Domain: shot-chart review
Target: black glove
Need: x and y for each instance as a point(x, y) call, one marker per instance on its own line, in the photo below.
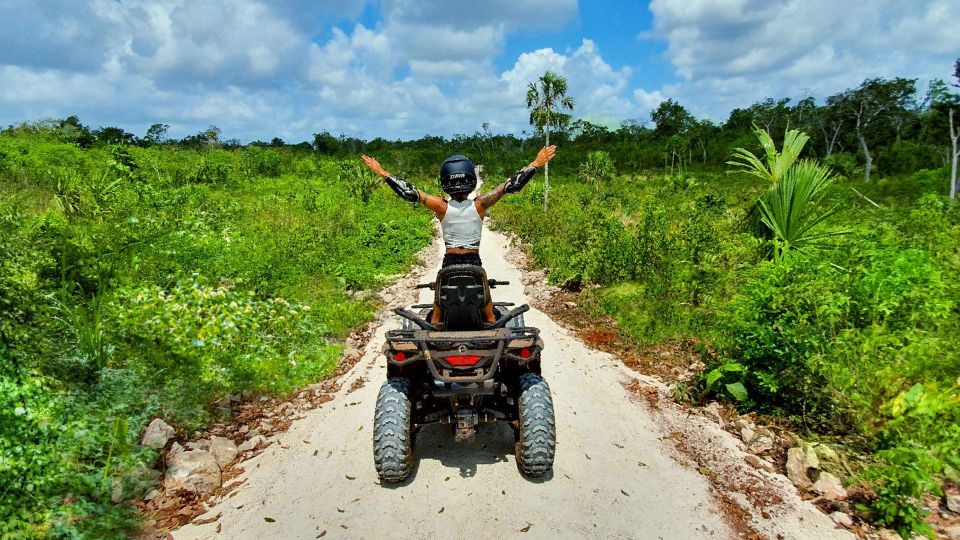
point(405, 190)
point(516, 182)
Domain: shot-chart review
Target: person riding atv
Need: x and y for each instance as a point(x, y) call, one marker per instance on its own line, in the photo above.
point(461, 219)
point(463, 360)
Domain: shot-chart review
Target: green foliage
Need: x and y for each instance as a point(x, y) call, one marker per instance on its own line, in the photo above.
point(362, 182)
point(139, 282)
point(206, 172)
point(789, 209)
point(597, 169)
point(643, 242)
point(902, 481)
point(844, 164)
point(714, 381)
point(259, 162)
point(547, 99)
point(778, 162)
point(856, 341)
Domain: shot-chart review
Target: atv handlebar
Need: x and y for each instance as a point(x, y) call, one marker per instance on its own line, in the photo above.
point(490, 282)
point(411, 316)
point(424, 325)
point(502, 321)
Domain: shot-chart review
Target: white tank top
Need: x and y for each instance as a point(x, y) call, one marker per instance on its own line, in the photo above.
point(462, 225)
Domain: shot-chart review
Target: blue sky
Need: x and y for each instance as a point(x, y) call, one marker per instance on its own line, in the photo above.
point(405, 68)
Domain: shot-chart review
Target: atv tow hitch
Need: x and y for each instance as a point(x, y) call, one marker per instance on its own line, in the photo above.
point(467, 420)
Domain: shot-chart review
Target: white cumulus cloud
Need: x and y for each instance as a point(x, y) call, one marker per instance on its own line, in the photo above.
point(728, 53)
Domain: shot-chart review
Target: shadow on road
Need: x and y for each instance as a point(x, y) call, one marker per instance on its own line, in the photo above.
point(492, 445)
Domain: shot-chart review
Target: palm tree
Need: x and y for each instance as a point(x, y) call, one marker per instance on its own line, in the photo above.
point(790, 208)
point(544, 97)
point(777, 162)
point(788, 213)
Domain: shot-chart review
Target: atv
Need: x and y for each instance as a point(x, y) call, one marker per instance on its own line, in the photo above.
point(463, 372)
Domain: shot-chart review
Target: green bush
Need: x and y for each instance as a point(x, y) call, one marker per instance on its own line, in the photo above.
point(844, 164)
point(855, 341)
point(259, 162)
point(205, 172)
point(140, 282)
point(597, 169)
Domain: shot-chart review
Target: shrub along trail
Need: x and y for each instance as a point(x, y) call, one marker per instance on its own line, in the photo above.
point(618, 471)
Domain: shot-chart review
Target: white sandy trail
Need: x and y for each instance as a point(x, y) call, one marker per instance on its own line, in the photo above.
point(614, 476)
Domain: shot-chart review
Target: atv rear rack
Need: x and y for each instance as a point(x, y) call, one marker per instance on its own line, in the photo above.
point(435, 347)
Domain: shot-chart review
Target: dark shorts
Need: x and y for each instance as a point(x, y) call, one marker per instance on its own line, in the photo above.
point(450, 259)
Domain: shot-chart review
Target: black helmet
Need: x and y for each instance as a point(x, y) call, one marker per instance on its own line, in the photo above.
point(457, 175)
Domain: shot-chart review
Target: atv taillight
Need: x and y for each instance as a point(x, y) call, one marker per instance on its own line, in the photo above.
point(525, 352)
point(462, 359)
point(399, 356)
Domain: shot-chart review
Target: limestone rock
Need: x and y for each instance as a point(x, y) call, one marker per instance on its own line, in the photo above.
point(842, 519)
point(175, 448)
point(797, 467)
point(251, 443)
point(830, 487)
point(157, 434)
point(827, 454)
point(953, 503)
point(713, 412)
point(198, 445)
point(830, 460)
point(758, 439)
point(761, 442)
point(759, 463)
point(811, 455)
point(223, 450)
point(194, 471)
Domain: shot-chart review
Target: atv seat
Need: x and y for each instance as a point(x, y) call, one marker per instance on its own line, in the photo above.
point(462, 291)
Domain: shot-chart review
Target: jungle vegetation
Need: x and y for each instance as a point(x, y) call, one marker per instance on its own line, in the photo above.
point(811, 248)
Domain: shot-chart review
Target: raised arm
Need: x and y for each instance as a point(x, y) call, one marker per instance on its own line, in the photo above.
point(516, 182)
point(405, 190)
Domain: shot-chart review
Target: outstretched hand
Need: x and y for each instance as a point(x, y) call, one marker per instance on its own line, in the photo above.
point(375, 166)
point(544, 156)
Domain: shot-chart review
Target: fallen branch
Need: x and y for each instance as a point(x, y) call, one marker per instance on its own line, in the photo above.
point(864, 197)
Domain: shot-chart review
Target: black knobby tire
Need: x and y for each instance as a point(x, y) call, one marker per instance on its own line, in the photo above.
point(537, 438)
point(392, 440)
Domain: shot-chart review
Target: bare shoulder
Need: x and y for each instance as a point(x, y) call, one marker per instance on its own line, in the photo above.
point(436, 204)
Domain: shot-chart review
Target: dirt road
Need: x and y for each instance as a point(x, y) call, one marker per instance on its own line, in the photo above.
point(617, 472)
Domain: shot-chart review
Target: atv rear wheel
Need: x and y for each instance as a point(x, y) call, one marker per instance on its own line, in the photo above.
point(537, 437)
point(392, 439)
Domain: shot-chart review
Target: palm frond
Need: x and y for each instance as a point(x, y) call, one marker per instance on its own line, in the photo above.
point(748, 163)
point(791, 208)
point(777, 162)
point(533, 95)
